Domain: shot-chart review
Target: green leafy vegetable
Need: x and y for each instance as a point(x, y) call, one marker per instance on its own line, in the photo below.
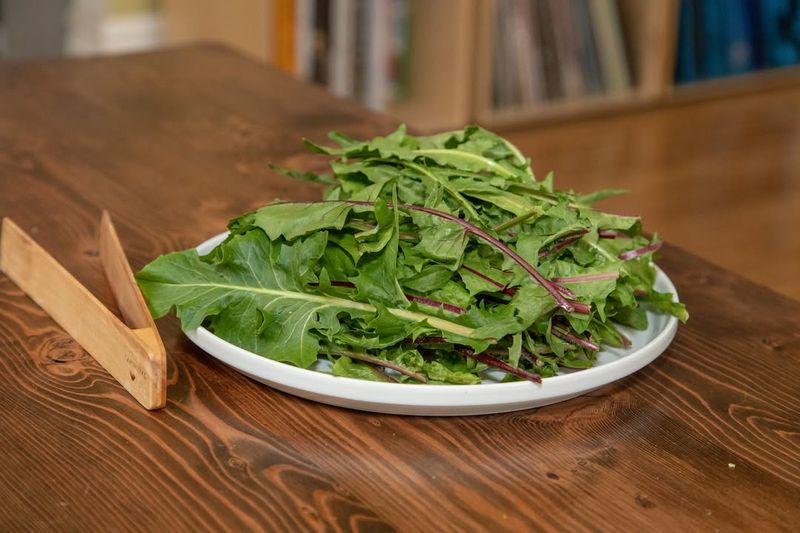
point(430, 260)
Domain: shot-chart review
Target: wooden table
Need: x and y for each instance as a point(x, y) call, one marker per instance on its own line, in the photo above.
point(175, 143)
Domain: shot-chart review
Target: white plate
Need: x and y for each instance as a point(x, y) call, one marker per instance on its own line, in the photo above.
point(447, 400)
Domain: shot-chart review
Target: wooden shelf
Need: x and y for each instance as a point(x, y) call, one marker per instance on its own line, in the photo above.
point(561, 110)
point(759, 80)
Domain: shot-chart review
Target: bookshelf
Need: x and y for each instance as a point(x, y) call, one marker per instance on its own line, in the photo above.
point(451, 51)
point(649, 33)
point(761, 80)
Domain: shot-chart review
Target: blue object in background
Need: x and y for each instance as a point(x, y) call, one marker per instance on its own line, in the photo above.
point(686, 66)
point(777, 29)
point(725, 37)
point(739, 50)
point(710, 41)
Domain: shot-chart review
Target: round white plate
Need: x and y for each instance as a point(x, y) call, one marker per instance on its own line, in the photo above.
point(446, 400)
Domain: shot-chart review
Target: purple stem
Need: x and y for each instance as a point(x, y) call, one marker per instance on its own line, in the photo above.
point(581, 308)
point(587, 277)
point(574, 339)
point(511, 291)
point(497, 363)
point(530, 356)
point(568, 239)
point(527, 354)
point(476, 231)
point(612, 234)
point(626, 342)
point(563, 290)
point(435, 303)
point(633, 254)
point(382, 362)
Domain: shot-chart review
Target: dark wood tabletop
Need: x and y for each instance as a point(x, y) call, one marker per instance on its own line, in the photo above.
point(174, 144)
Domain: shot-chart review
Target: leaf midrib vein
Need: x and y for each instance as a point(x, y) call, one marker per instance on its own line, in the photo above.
point(404, 314)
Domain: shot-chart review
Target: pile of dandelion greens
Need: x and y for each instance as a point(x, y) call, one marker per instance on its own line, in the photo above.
point(430, 260)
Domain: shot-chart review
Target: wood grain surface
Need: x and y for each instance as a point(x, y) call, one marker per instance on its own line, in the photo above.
point(175, 143)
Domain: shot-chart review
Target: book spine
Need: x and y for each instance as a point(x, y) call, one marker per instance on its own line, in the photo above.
point(778, 22)
point(400, 60)
point(550, 56)
point(537, 66)
point(712, 58)
point(304, 39)
point(360, 50)
point(522, 22)
point(498, 57)
point(284, 35)
point(343, 42)
point(567, 46)
point(321, 42)
point(375, 87)
point(590, 62)
point(611, 45)
point(686, 65)
point(739, 38)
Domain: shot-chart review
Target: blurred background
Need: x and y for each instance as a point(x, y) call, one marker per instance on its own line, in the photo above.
point(692, 105)
point(442, 63)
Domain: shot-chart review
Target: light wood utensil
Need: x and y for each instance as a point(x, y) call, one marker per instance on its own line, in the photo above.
point(132, 352)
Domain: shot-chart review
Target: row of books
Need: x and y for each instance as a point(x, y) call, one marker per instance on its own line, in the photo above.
point(557, 49)
point(358, 48)
point(724, 37)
